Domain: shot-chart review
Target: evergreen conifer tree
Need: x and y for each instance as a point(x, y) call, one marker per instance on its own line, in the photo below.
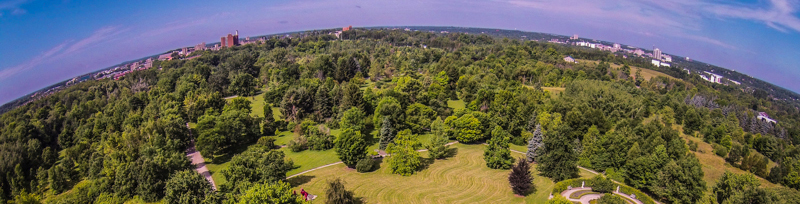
point(521, 179)
point(534, 144)
point(386, 134)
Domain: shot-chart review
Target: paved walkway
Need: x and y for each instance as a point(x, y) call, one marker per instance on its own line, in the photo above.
point(314, 169)
point(198, 161)
point(586, 198)
point(587, 201)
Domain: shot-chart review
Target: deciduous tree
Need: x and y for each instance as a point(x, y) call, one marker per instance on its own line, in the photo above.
point(351, 147)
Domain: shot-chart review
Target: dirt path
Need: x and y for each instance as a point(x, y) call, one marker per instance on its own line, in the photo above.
point(198, 161)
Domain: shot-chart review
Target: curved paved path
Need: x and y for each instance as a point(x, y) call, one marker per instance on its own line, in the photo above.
point(593, 172)
point(198, 161)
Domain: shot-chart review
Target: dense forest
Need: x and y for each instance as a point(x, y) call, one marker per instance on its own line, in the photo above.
point(110, 141)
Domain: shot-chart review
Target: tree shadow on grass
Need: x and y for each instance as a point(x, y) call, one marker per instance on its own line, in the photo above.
point(359, 200)
point(425, 163)
point(220, 159)
point(300, 180)
point(450, 152)
point(376, 164)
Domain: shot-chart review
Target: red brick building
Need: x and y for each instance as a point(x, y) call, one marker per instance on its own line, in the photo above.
point(230, 40)
point(347, 28)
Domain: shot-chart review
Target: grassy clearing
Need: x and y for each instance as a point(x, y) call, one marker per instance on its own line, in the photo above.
point(646, 73)
point(257, 106)
point(463, 178)
point(456, 104)
point(309, 159)
point(554, 90)
point(714, 166)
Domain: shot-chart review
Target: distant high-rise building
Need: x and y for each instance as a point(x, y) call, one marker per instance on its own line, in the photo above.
point(657, 53)
point(222, 41)
point(617, 46)
point(347, 28)
point(230, 40)
point(574, 37)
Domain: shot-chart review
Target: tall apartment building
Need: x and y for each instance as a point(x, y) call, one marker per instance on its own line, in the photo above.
point(657, 53)
point(230, 40)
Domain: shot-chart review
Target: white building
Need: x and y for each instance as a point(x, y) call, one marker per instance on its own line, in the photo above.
point(713, 77)
point(667, 58)
point(656, 63)
point(569, 59)
point(764, 117)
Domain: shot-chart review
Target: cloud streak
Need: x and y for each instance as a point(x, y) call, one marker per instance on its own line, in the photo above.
point(13, 6)
point(64, 49)
point(779, 15)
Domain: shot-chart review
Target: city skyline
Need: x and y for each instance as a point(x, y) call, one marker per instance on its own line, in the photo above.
point(759, 39)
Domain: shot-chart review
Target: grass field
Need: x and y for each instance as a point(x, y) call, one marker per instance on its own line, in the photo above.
point(463, 178)
point(257, 106)
point(554, 90)
point(456, 104)
point(646, 73)
point(714, 166)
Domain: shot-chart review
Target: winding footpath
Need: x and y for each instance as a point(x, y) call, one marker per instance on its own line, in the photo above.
point(581, 200)
point(198, 161)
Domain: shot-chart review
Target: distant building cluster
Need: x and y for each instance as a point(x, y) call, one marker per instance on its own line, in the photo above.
point(230, 40)
point(338, 34)
point(118, 72)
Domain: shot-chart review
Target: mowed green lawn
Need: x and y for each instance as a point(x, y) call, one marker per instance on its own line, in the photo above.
point(463, 178)
point(257, 105)
point(646, 73)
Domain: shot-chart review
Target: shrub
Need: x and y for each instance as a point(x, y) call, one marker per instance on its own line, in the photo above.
point(602, 184)
point(266, 141)
point(298, 144)
point(337, 193)
point(611, 199)
point(692, 146)
point(365, 165)
point(720, 150)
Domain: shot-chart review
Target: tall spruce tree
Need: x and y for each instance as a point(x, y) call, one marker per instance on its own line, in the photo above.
point(268, 125)
point(322, 104)
point(534, 144)
point(386, 134)
point(521, 179)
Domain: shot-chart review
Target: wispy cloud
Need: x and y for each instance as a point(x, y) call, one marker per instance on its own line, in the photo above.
point(5, 73)
point(64, 49)
point(779, 14)
point(12, 6)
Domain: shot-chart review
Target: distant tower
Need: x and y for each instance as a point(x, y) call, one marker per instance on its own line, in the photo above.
point(657, 53)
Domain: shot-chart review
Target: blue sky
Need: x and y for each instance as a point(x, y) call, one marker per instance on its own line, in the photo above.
point(45, 42)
